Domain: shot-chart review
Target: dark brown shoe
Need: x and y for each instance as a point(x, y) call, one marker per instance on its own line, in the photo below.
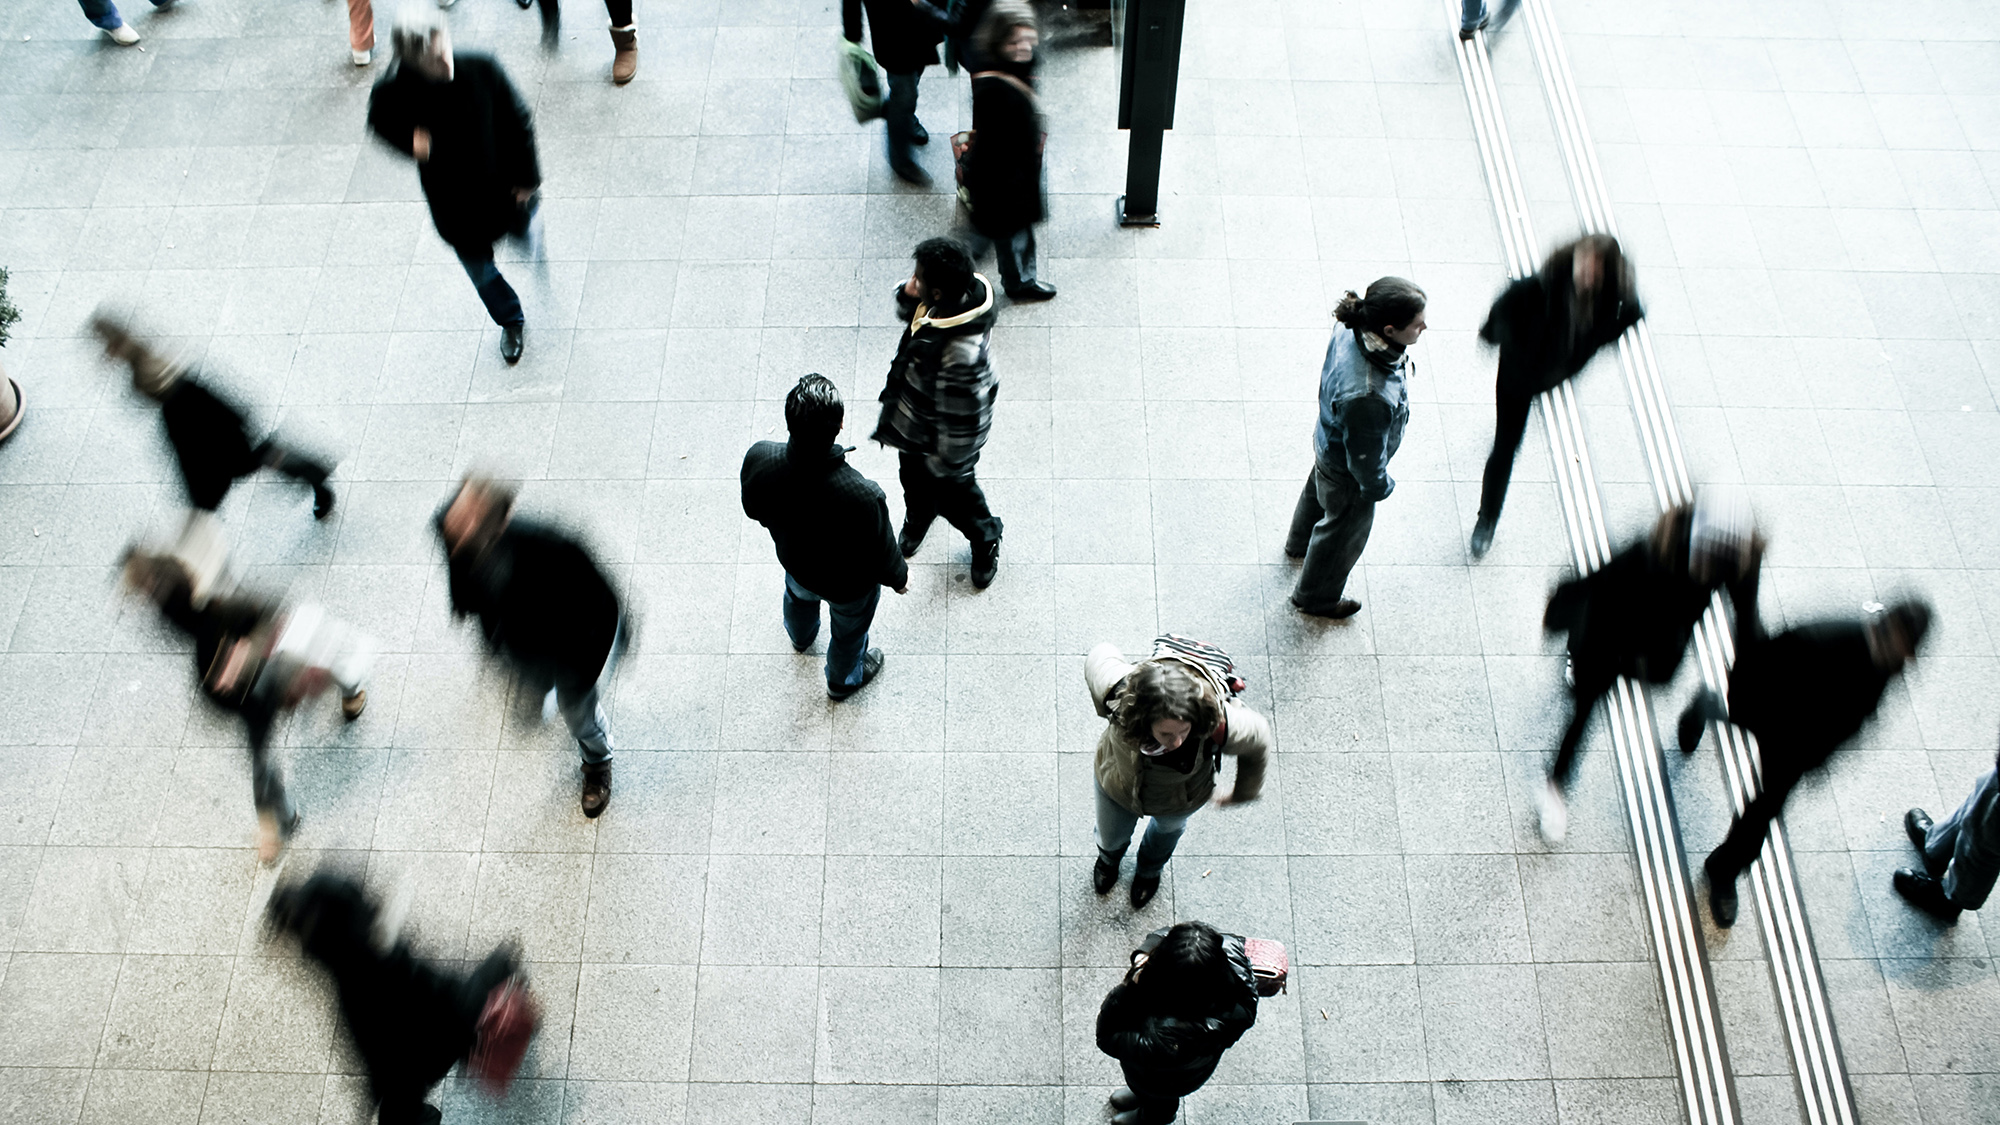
point(596, 789)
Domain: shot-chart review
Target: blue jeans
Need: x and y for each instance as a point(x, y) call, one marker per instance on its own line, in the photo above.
point(1115, 823)
point(104, 13)
point(1472, 12)
point(901, 112)
point(1963, 845)
point(850, 629)
point(502, 303)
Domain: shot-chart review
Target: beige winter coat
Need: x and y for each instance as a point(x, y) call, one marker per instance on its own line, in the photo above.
point(1148, 788)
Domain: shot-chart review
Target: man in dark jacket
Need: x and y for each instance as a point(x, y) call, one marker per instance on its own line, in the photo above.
point(905, 35)
point(1003, 168)
point(210, 437)
point(1802, 693)
point(544, 605)
point(474, 144)
point(832, 530)
point(938, 403)
point(1635, 615)
point(1961, 856)
point(410, 1022)
point(1547, 326)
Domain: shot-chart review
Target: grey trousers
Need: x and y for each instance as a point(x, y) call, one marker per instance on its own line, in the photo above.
point(1967, 845)
point(1330, 528)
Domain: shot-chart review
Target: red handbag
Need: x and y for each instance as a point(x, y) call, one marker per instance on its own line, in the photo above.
point(1270, 964)
point(500, 1041)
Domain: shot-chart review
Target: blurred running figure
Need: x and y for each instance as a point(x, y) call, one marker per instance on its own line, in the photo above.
point(1473, 17)
point(1802, 692)
point(544, 605)
point(1363, 407)
point(937, 405)
point(905, 34)
point(1548, 325)
point(474, 143)
point(258, 660)
point(211, 439)
point(1961, 856)
point(1635, 616)
point(832, 529)
point(411, 1022)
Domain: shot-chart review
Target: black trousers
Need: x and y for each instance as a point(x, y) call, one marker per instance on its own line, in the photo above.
point(620, 12)
point(1783, 765)
point(957, 498)
point(1590, 687)
point(1510, 424)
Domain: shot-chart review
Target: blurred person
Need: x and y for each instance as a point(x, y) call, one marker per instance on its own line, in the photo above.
point(832, 529)
point(1803, 693)
point(257, 659)
point(1635, 616)
point(473, 140)
point(1961, 857)
point(937, 405)
point(209, 435)
point(962, 46)
point(624, 35)
point(104, 13)
point(1547, 326)
point(1473, 17)
point(905, 35)
point(1363, 407)
point(1169, 722)
point(410, 1021)
point(1168, 1022)
point(544, 605)
point(1003, 168)
point(361, 31)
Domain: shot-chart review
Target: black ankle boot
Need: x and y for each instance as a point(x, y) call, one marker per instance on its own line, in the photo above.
point(1104, 873)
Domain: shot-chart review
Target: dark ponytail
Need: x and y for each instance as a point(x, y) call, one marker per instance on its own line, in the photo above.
point(1391, 302)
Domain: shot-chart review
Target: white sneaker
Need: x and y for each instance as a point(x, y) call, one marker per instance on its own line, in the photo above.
point(446, 3)
point(1555, 813)
point(123, 35)
point(549, 705)
point(363, 58)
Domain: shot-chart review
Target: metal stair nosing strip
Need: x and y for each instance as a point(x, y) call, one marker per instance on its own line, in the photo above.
point(1821, 1070)
point(1701, 1059)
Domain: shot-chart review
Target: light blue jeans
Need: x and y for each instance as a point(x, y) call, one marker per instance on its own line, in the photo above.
point(1471, 12)
point(849, 642)
point(104, 13)
point(1966, 845)
point(1115, 824)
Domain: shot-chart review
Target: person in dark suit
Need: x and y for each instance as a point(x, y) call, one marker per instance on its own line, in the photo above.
point(1803, 693)
point(905, 35)
point(1003, 168)
point(209, 434)
point(832, 529)
point(473, 139)
point(1635, 615)
point(543, 604)
point(1168, 1022)
point(1547, 326)
point(410, 1021)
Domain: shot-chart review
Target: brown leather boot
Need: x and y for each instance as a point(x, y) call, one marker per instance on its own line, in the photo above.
point(625, 40)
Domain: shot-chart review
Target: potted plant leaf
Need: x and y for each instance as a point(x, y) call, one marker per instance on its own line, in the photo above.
point(12, 405)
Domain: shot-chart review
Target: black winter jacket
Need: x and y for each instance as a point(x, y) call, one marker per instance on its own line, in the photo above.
point(1635, 616)
point(831, 525)
point(905, 36)
point(540, 601)
point(1003, 169)
point(482, 145)
point(1805, 691)
point(1169, 1054)
point(1531, 323)
point(211, 442)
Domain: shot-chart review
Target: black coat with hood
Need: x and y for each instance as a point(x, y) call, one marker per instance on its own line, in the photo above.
point(540, 600)
point(1168, 1052)
point(1532, 324)
point(482, 145)
point(831, 525)
point(1003, 169)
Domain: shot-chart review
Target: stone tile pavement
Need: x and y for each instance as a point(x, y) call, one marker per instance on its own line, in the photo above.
point(878, 911)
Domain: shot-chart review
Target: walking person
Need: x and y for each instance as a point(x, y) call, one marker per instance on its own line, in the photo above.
point(1473, 17)
point(832, 530)
point(1168, 1022)
point(472, 137)
point(1169, 722)
point(1363, 407)
point(210, 436)
point(1547, 326)
point(1635, 616)
point(544, 605)
point(1803, 693)
point(905, 35)
point(624, 34)
point(1961, 857)
point(257, 660)
point(937, 405)
point(1003, 168)
point(409, 1020)
point(105, 14)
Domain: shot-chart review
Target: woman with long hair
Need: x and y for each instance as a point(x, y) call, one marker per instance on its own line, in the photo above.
point(1363, 407)
point(1003, 168)
point(1169, 1021)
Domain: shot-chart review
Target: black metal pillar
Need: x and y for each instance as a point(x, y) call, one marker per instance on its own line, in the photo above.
point(1147, 82)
